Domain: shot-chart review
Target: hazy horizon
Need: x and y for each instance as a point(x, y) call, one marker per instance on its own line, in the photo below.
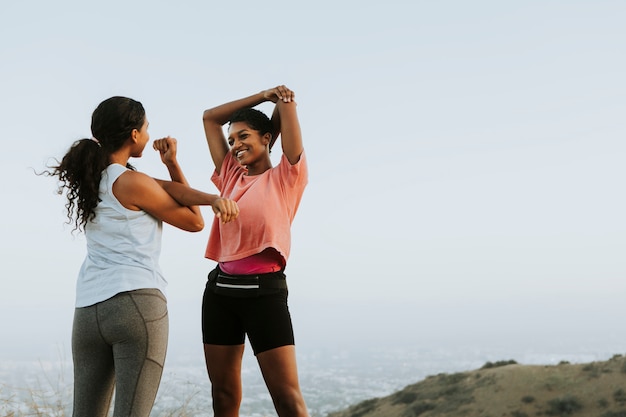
point(466, 162)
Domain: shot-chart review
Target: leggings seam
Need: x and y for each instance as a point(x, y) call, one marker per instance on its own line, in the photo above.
point(100, 327)
point(145, 356)
point(155, 362)
point(143, 318)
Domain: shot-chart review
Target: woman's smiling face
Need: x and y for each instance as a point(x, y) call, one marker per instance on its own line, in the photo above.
point(247, 145)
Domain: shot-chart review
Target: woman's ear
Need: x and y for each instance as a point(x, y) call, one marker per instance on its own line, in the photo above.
point(267, 138)
point(133, 135)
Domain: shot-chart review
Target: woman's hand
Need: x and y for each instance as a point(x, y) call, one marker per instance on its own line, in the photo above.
point(279, 93)
point(226, 210)
point(167, 149)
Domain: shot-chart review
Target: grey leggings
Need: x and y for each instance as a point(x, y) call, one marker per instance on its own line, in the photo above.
point(121, 343)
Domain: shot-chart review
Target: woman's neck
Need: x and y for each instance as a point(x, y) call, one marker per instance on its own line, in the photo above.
point(259, 167)
point(120, 156)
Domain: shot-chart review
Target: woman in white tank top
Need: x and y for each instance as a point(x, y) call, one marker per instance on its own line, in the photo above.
point(120, 327)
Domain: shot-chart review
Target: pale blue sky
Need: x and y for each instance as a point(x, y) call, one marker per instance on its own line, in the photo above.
point(466, 158)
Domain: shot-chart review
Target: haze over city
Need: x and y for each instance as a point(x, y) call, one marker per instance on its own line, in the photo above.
point(466, 162)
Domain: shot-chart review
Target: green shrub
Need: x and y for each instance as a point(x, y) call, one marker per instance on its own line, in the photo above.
point(563, 406)
point(489, 365)
point(419, 408)
point(620, 396)
point(404, 397)
point(593, 369)
point(446, 379)
point(528, 399)
point(364, 407)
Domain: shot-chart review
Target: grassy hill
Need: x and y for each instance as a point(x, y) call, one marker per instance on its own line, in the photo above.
point(508, 389)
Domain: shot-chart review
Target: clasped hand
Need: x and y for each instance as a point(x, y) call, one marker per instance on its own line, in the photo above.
point(167, 149)
point(279, 93)
point(226, 210)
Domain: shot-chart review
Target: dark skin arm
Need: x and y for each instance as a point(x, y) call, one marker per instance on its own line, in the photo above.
point(215, 118)
point(226, 210)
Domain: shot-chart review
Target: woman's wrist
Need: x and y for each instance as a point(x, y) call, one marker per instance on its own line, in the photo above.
point(174, 168)
point(267, 97)
point(171, 163)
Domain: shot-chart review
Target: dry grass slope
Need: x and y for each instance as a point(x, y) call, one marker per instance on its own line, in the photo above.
point(507, 389)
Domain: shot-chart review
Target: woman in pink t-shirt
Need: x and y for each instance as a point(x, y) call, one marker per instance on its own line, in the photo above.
point(246, 294)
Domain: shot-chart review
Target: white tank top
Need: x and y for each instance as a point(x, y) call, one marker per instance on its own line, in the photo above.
point(123, 248)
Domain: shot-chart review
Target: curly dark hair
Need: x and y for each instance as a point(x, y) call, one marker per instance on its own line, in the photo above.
point(256, 119)
point(80, 170)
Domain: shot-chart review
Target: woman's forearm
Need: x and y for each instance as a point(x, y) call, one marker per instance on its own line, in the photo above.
point(176, 173)
point(290, 130)
point(187, 196)
point(222, 113)
point(180, 186)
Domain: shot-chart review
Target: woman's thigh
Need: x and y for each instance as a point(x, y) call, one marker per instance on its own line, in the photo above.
point(94, 373)
point(268, 323)
point(121, 341)
point(138, 331)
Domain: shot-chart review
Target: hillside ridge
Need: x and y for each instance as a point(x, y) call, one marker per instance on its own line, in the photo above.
point(509, 389)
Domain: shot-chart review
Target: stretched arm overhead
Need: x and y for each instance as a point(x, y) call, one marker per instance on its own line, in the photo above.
point(291, 139)
point(285, 122)
point(216, 117)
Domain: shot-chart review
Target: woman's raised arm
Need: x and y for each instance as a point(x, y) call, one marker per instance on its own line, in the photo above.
point(285, 121)
point(215, 118)
point(291, 136)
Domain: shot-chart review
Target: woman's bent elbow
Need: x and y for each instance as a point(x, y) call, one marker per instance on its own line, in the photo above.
point(197, 226)
point(192, 226)
point(207, 115)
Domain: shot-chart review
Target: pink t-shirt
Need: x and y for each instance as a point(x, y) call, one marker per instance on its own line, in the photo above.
point(267, 206)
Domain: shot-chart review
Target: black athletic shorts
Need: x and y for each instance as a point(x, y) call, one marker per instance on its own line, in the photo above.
point(226, 320)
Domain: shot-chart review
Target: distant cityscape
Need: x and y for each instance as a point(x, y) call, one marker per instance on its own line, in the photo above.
point(331, 380)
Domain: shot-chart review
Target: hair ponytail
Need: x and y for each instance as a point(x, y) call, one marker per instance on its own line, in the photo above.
point(79, 174)
point(80, 170)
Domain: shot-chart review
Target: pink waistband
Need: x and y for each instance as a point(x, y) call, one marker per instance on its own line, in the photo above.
point(261, 263)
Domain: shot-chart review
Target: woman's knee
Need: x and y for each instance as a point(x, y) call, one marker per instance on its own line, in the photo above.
point(225, 400)
point(289, 402)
